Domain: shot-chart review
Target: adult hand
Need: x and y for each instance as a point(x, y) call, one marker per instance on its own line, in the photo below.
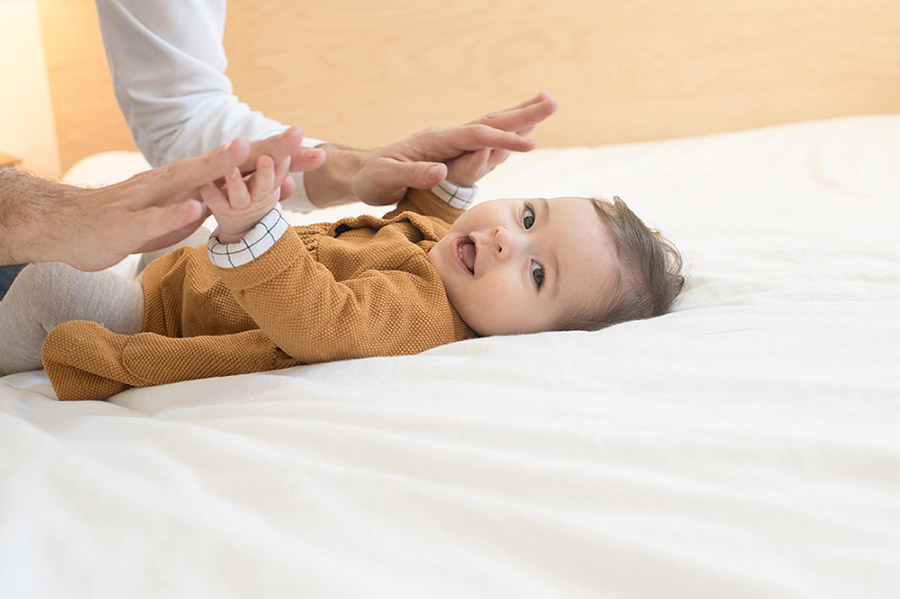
point(149, 211)
point(158, 208)
point(472, 166)
point(93, 229)
point(287, 143)
point(382, 176)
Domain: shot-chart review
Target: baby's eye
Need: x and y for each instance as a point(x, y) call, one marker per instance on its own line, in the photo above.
point(528, 217)
point(537, 273)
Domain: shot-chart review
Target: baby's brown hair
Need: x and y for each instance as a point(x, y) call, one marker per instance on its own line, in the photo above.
point(649, 277)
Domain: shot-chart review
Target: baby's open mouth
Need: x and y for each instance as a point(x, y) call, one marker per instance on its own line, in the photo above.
point(467, 253)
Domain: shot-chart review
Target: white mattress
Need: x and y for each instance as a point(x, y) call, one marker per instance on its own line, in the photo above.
point(745, 445)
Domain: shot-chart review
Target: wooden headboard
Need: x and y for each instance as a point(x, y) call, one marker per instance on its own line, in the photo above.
point(366, 72)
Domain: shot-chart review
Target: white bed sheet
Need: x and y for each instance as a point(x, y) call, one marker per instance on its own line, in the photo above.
point(745, 445)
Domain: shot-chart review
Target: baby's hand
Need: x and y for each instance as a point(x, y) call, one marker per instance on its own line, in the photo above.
point(241, 203)
point(465, 170)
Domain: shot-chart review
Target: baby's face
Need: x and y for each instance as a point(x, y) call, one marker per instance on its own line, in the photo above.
point(525, 265)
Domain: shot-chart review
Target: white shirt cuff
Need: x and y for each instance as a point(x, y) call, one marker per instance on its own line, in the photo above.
point(455, 195)
point(254, 244)
point(299, 201)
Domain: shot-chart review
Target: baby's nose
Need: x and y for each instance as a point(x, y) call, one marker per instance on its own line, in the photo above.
point(505, 242)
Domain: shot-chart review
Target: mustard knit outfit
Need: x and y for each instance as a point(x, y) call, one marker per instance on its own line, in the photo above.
point(357, 288)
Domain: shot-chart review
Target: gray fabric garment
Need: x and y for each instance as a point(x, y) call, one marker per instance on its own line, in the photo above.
point(48, 294)
point(7, 275)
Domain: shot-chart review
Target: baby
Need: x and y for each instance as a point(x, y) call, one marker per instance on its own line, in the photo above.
point(263, 295)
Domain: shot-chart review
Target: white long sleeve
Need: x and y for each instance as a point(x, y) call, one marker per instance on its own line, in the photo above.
point(168, 67)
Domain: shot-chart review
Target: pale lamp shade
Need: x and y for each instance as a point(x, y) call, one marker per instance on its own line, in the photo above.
point(27, 129)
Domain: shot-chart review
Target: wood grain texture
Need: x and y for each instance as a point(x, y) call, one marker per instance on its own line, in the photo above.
point(366, 73)
point(87, 116)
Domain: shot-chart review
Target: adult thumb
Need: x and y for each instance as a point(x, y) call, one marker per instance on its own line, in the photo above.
point(421, 175)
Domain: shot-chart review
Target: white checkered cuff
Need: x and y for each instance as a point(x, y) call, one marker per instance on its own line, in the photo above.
point(254, 244)
point(456, 196)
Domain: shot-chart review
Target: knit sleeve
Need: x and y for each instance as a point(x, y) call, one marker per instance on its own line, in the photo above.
point(255, 243)
point(445, 201)
point(296, 301)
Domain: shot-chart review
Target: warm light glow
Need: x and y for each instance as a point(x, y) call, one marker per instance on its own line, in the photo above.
point(26, 116)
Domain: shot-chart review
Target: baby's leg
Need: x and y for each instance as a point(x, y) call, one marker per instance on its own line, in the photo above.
point(45, 295)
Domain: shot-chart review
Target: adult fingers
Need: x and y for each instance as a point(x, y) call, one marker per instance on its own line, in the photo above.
point(307, 159)
point(542, 96)
point(438, 145)
point(287, 144)
point(188, 174)
point(521, 117)
point(165, 225)
point(396, 176)
point(278, 147)
point(475, 137)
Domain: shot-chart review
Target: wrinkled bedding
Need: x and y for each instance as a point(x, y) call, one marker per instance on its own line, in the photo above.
point(744, 445)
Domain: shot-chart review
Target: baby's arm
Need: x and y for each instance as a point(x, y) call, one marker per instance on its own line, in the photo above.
point(241, 204)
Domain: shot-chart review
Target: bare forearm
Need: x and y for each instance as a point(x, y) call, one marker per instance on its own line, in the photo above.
point(33, 215)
